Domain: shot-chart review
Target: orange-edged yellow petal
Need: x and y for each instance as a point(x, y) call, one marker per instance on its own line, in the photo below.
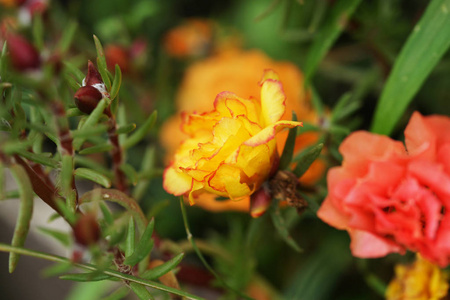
point(273, 99)
point(228, 104)
point(268, 133)
point(229, 181)
point(176, 182)
point(254, 161)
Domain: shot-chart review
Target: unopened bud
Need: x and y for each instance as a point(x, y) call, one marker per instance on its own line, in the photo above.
point(24, 55)
point(93, 76)
point(87, 98)
point(86, 230)
point(260, 201)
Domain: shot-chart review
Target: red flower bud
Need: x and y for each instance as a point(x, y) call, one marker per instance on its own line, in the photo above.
point(260, 201)
point(87, 98)
point(86, 230)
point(93, 76)
point(24, 55)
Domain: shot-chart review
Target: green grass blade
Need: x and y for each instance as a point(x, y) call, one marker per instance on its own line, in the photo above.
point(25, 212)
point(424, 48)
point(328, 34)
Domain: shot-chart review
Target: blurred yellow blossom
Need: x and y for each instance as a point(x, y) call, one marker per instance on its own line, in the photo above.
point(231, 150)
point(420, 281)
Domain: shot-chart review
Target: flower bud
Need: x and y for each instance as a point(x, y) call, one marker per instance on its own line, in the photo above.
point(86, 230)
point(24, 55)
point(260, 201)
point(87, 98)
point(93, 76)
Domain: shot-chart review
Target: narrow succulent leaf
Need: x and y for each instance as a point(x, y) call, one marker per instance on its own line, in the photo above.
point(118, 294)
point(328, 34)
point(116, 83)
point(57, 269)
point(342, 104)
point(306, 158)
point(141, 132)
point(281, 227)
point(38, 31)
point(144, 247)
point(126, 128)
point(141, 291)
point(63, 237)
point(93, 176)
point(428, 42)
point(85, 277)
point(3, 58)
point(130, 172)
point(160, 270)
point(25, 212)
point(86, 132)
point(91, 164)
point(148, 164)
point(74, 112)
point(101, 63)
point(74, 71)
point(130, 240)
point(91, 121)
point(66, 39)
point(69, 214)
point(96, 149)
point(288, 150)
point(66, 175)
point(107, 216)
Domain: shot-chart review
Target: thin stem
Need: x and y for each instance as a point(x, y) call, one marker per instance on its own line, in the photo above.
point(200, 255)
point(90, 267)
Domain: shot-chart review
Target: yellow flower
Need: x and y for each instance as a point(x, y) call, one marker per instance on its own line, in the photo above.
point(420, 281)
point(232, 149)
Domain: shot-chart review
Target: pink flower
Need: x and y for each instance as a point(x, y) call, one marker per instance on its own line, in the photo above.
point(390, 198)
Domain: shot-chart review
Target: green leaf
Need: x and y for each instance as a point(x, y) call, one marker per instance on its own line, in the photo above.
point(38, 31)
point(79, 76)
point(141, 131)
point(141, 291)
point(61, 236)
point(148, 164)
point(281, 227)
point(57, 269)
point(74, 112)
point(130, 172)
point(327, 35)
point(116, 83)
point(87, 162)
point(68, 213)
point(25, 212)
point(66, 39)
point(118, 294)
point(101, 63)
point(126, 128)
point(86, 132)
point(288, 150)
point(130, 240)
point(424, 48)
point(91, 120)
point(107, 216)
point(3, 59)
point(93, 176)
point(96, 149)
point(160, 270)
point(305, 159)
point(85, 277)
point(144, 246)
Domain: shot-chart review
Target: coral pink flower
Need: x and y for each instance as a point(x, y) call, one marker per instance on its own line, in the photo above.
point(390, 199)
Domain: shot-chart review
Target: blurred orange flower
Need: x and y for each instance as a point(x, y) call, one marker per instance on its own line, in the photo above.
point(232, 149)
point(192, 38)
point(236, 70)
point(419, 281)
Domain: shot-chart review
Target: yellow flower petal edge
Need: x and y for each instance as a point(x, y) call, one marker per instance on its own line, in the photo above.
point(231, 150)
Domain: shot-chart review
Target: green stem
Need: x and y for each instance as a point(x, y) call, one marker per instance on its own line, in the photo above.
point(89, 267)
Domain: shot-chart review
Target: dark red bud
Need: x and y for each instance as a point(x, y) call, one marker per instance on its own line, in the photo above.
point(93, 76)
point(86, 230)
point(87, 98)
point(260, 201)
point(24, 55)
